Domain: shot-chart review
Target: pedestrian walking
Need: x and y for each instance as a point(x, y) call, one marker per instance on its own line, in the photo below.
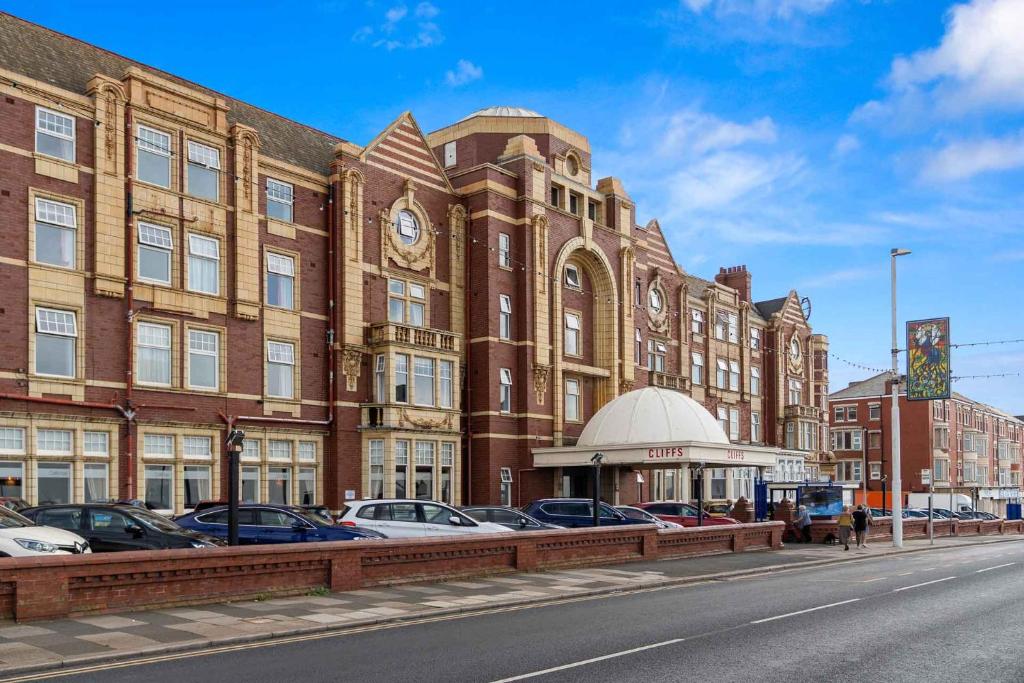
point(860, 526)
point(845, 522)
point(803, 524)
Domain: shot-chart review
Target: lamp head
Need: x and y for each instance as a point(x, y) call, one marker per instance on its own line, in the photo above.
point(899, 252)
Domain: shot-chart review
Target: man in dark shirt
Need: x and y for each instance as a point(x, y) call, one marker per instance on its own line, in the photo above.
point(860, 525)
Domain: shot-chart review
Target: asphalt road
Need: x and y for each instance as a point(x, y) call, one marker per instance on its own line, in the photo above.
point(943, 615)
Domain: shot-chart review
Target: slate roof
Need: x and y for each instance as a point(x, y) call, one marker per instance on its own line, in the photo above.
point(769, 308)
point(69, 63)
point(872, 386)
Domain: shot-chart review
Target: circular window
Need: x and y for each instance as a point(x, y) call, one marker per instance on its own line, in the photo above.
point(408, 227)
point(794, 348)
point(572, 165)
point(655, 300)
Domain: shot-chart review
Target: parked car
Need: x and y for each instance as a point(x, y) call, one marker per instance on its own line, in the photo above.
point(915, 514)
point(508, 517)
point(110, 528)
point(321, 511)
point(21, 537)
point(637, 513)
point(682, 513)
point(260, 524)
point(717, 509)
point(13, 503)
point(576, 512)
point(407, 518)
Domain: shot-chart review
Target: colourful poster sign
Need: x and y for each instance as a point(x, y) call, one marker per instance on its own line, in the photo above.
point(928, 359)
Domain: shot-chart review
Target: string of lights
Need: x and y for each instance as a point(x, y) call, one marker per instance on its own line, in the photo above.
point(996, 374)
point(988, 343)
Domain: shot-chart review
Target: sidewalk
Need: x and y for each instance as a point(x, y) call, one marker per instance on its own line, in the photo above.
point(90, 640)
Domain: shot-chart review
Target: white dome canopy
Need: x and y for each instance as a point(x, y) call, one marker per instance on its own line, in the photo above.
point(651, 415)
point(506, 111)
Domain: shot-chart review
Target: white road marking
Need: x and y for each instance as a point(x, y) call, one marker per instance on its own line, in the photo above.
point(926, 583)
point(584, 662)
point(805, 611)
point(905, 574)
point(998, 566)
point(880, 578)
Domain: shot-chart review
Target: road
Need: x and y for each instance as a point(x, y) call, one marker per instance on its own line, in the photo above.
point(942, 615)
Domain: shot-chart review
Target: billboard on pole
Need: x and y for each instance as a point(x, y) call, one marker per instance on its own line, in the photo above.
point(928, 374)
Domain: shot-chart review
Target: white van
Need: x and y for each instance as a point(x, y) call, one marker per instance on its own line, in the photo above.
point(961, 502)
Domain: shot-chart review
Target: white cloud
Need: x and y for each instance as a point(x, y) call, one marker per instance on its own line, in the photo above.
point(465, 72)
point(845, 144)
point(978, 65)
point(759, 9)
point(697, 132)
point(723, 178)
point(966, 158)
point(396, 32)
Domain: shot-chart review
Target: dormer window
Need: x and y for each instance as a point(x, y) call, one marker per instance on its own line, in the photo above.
point(407, 227)
point(572, 277)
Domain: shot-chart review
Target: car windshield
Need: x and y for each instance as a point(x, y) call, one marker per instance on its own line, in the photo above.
point(154, 521)
point(9, 519)
point(311, 517)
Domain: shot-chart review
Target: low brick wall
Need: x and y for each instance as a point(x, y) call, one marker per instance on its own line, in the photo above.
point(881, 528)
point(69, 585)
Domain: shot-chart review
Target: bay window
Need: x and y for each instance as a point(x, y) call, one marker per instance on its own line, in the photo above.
point(447, 370)
point(424, 478)
point(376, 468)
point(423, 390)
point(401, 378)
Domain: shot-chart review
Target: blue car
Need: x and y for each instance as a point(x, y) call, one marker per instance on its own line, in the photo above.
point(260, 524)
point(575, 512)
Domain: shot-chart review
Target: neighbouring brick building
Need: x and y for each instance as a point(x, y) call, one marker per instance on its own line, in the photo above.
point(971, 448)
point(404, 318)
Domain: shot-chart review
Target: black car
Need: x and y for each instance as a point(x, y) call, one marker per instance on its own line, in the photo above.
point(110, 528)
point(513, 519)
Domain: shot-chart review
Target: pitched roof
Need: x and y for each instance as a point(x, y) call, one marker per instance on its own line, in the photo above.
point(770, 307)
point(872, 386)
point(69, 63)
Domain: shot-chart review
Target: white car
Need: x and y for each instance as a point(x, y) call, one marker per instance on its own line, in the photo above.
point(21, 537)
point(405, 518)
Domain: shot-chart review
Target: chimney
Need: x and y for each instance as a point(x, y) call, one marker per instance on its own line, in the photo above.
point(736, 277)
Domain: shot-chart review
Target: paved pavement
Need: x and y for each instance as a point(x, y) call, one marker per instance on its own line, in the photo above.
point(73, 643)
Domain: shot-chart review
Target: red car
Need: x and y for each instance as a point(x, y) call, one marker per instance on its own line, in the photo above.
point(682, 513)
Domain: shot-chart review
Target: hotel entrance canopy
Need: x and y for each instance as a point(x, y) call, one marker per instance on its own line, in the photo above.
point(655, 428)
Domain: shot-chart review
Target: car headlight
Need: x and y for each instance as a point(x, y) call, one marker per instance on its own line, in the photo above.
point(36, 546)
point(201, 544)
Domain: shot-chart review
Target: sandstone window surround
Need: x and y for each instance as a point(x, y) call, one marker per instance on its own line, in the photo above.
point(55, 134)
point(279, 467)
point(55, 343)
point(204, 360)
point(795, 392)
point(656, 352)
point(697, 322)
point(153, 156)
point(154, 253)
point(153, 361)
point(203, 264)
point(734, 376)
point(722, 375)
point(280, 280)
point(56, 233)
point(12, 440)
point(281, 369)
point(421, 468)
point(572, 277)
point(280, 200)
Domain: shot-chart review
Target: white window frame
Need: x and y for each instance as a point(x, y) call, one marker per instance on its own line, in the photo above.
point(211, 256)
point(638, 347)
point(201, 156)
point(449, 154)
point(42, 128)
point(279, 450)
point(155, 239)
point(734, 375)
point(198, 347)
point(424, 381)
point(734, 424)
point(96, 443)
point(380, 387)
point(59, 216)
point(755, 426)
point(573, 323)
point(572, 277)
point(446, 371)
point(158, 445)
point(144, 342)
point(755, 381)
point(504, 250)
point(697, 323)
point(48, 325)
point(283, 266)
point(9, 443)
point(722, 373)
point(281, 354)
point(504, 317)
point(755, 338)
point(197, 447)
point(143, 143)
point(572, 400)
point(282, 194)
point(696, 367)
point(47, 441)
point(505, 391)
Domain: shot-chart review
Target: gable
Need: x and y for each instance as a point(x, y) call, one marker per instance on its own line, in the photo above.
point(658, 250)
point(403, 150)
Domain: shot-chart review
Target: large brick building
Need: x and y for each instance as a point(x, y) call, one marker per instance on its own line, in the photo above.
point(971, 448)
point(409, 317)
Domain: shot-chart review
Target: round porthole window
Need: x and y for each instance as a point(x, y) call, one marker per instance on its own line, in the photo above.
point(794, 349)
point(655, 301)
point(408, 227)
point(572, 165)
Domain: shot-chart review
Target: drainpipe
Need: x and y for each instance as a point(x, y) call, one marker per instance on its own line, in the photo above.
point(129, 299)
point(332, 223)
point(467, 346)
point(63, 402)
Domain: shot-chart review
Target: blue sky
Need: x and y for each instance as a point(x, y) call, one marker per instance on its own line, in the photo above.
point(803, 138)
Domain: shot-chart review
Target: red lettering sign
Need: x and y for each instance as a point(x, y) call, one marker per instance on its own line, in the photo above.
point(734, 455)
point(670, 452)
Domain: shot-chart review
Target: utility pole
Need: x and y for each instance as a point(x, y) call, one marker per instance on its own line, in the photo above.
point(897, 492)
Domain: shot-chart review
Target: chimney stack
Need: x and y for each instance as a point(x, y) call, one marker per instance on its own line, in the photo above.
point(736, 277)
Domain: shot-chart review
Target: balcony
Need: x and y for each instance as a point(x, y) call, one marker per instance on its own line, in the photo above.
point(803, 412)
point(423, 337)
point(667, 381)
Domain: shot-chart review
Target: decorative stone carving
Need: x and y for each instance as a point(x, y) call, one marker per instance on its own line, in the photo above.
point(658, 321)
point(419, 255)
point(351, 366)
point(540, 381)
point(625, 386)
point(423, 422)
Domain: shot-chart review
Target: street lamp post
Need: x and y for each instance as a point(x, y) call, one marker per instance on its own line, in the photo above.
point(235, 444)
point(897, 493)
point(598, 457)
